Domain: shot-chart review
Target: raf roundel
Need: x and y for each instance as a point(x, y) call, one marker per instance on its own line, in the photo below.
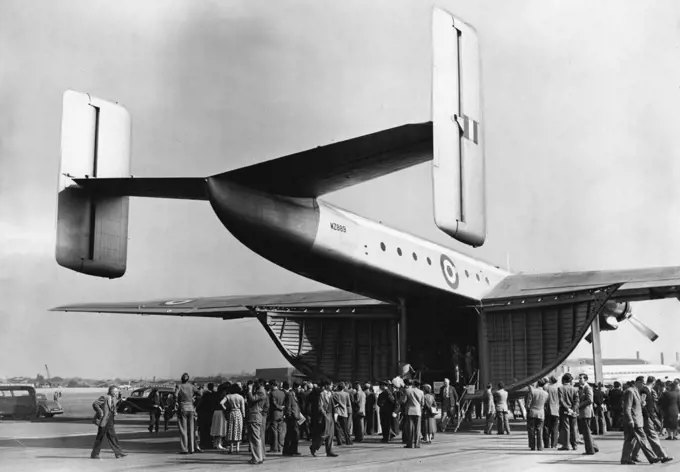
point(449, 271)
point(177, 302)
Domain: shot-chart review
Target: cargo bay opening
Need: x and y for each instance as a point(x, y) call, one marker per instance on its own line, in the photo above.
point(512, 340)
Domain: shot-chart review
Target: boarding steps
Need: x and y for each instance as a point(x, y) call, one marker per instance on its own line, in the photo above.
point(464, 403)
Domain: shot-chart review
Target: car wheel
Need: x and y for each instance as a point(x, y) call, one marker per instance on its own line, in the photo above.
point(48, 415)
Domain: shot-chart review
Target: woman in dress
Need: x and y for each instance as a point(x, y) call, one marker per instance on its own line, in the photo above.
point(218, 428)
point(429, 422)
point(670, 408)
point(236, 412)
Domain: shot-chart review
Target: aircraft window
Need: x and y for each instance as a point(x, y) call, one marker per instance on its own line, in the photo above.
point(478, 277)
point(415, 256)
point(487, 280)
point(467, 274)
point(382, 246)
point(399, 251)
point(429, 262)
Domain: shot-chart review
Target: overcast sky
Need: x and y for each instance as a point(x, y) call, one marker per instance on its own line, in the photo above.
point(581, 105)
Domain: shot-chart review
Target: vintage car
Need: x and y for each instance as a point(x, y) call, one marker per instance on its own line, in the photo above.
point(139, 401)
point(48, 408)
point(17, 401)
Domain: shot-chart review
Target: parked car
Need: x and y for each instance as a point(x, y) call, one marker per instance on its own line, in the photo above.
point(139, 401)
point(48, 408)
point(17, 401)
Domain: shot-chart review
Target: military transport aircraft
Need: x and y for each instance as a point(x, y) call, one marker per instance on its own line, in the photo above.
point(402, 299)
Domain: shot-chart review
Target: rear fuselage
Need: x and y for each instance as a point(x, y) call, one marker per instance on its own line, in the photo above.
point(341, 249)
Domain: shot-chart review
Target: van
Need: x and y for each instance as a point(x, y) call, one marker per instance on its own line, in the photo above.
point(18, 401)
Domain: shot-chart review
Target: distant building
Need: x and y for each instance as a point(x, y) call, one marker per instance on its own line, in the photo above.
point(616, 369)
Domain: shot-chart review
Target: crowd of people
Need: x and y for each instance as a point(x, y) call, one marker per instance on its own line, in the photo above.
point(276, 415)
point(567, 414)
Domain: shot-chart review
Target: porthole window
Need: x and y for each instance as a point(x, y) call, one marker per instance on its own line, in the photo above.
point(382, 246)
point(429, 262)
point(415, 256)
point(399, 251)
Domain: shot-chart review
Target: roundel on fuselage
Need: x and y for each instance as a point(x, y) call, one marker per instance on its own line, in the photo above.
point(449, 271)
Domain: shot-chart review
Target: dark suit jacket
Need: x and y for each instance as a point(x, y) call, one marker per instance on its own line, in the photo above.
point(105, 410)
point(616, 399)
point(386, 403)
point(569, 398)
point(291, 409)
point(452, 400)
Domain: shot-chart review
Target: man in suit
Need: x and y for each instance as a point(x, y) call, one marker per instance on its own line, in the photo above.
point(634, 437)
point(490, 408)
point(552, 419)
point(342, 409)
point(586, 414)
point(321, 406)
point(278, 426)
point(616, 405)
point(501, 401)
point(387, 405)
point(291, 414)
point(569, 401)
point(156, 410)
point(415, 398)
point(649, 417)
point(303, 396)
point(359, 412)
point(256, 398)
point(449, 399)
point(105, 412)
point(536, 400)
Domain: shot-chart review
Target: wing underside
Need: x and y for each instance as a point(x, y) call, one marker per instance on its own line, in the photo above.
point(635, 284)
point(229, 307)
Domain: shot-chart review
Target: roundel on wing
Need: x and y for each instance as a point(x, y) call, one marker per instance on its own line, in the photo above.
point(177, 302)
point(449, 271)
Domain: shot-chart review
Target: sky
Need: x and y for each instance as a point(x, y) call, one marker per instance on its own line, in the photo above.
point(582, 153)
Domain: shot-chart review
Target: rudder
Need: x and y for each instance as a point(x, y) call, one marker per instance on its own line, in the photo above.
point(458, 146)
point(92, 229)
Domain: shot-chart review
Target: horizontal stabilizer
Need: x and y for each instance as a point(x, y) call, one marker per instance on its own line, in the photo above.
point(185, 188)
point(339, 165)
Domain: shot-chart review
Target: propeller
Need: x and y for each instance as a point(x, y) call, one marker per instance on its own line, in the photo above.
point(615, 313)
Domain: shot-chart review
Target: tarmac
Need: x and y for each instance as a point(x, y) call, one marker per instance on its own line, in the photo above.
point(64, 444)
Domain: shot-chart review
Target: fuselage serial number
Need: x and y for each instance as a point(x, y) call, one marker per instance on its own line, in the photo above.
point(337, 227)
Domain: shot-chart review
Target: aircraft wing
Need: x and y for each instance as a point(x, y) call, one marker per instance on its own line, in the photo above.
point(229, 307)
point(636, 284)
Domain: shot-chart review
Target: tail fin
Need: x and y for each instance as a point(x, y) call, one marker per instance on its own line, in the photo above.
point(458, 147)
point(92, 229)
